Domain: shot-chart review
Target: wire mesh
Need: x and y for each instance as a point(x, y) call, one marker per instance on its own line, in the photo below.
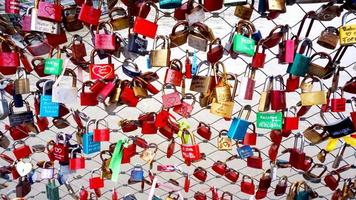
point(222, 22)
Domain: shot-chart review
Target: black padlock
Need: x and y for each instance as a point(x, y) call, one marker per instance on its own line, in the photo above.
point(137, 44)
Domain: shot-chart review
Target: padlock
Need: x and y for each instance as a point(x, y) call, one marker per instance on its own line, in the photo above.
point(297, 155)
point(4, 141)
point(170, 4)
point(106, 40)
point(258, 60)
point(22, 85)
point(70, 18)
point(250, 137)
point(57, 39)
point(89, 146)
point(23, 151)
point(128, 95)
point(286, 48)
point(223, 142)
point(174, 73)
point(185, 109)
point(107, 172)
point(50, 11)
point(264, 102)
point(281, 186)
point(96, 182)
point(202, 84)
point(216, 53)
point(247, 84)
point(265, 180)
point(47, 172)
point(54, 66)
point(160, 57)
point(200, 173)
point(78, 49)
point(219, 167)
point(137, 174)
point(242, 44)
point(61, 149)
point(190, 152)
point(12, 7)
point(41, 25)
point(302, 59)
point(26, 20)
point(23, 117)
point(291, 122)
point(276, 6)
point(101, 71)
point(101, 134)
point(148, 126)
point(9, 60)
point(47, 107)
point(323, 72)
point(171, 99)
point(88, 98)
point(211, 5)
point(278, 94)
point(329, 38)
point(52, 190)
point(332, 179)
point(347, 31)
point(136, 44)
point(139, 89)
point(63, 93)
point(77, 160)
point(340, 128)
point(240, 125)
point(311, 176)
point(204, 131)
point(338, 104)
point(197, 38)
point(35, 44)
point(149, 153)
point(244, 151)
point(144, 27)
point(255, 161)
point(244, 11)
point(309, 98)
point(292, 83)
point(179, 38)
point(122, 21)
point(193, 13)
point(247, 187)
point(90, 15)
point(38, 64)
point(23, 187)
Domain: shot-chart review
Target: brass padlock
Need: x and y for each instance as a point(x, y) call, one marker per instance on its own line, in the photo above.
point(160, 57)
point(322, 155)
point(329, 38)
point(276, 6)
point(115, 96)
point(244, 11)
point(138, 89)
point(224, 143)
point(179, 38)
point(223, 88)
point(22, 85)
point(106, 171)
point(264, 102)
point(119, 23)
point(149, 153)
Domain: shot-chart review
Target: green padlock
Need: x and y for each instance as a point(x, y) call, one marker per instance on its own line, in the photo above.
point(242, 44)
point(54, 66)
point(269, 120)
point(302, 59)
point(52, 190)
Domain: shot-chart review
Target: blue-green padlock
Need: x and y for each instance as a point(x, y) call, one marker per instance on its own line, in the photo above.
point(239, 125)
point(169, 4)
point(47, 107)
point(52, 190)
point(89, 146)
point(302, 59)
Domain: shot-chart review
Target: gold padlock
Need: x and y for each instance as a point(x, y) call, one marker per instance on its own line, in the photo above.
point(115, 96)
point(160, 57)
point(264, 102)
point(22, 85)
point(329, 38)
point(311, 98)
point(244, 11)
point(201, 83)
point(106, 171)
point(138, 89)
point(148, 154)
point(179, 38)
point(276, 6)
point(224, 143)
point(121, 22)
point(223, 88)
point(312, 134)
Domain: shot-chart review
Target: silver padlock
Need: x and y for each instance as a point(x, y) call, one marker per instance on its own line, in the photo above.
point(4, 106)
point(43, 25)
point(47, 173)
point(22, 84)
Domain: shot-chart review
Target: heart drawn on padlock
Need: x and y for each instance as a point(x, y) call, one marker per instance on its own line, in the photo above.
point(49, 10)
point(102, 71)
point(171, 101)
point(23, 168)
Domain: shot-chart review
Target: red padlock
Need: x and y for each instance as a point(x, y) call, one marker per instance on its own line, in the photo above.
point(96, 182)
point(204, 130)
point(83, 194)
point(353, 113)
point(97, 86)
point(332, 180)
point(219, 167)
point(247, 187)
point(281, 186)
point(101, 134)
point(278, 94)
point(90, 15)
point(78, 47)
point(297, 156)
point(186, 183)
point(190, 152)
point(128, 153)
point(35, 44)
point(42, 123)
point(38, 65)
point(185, 109)
point(162, 118)
point(76, 162)
point(258, 60)
point(200, 173)
point(291, 122)
point(292, 83)
point(128, 96)
point(57, 39)
point(9, 59)
point(216, 53)
point(306, 165)
point(250, 137)
point(12, 7)
point(255, 161)
point(212, 5)
point(170, 148)
point(273, 151)
point(104, 71)
point(50, 11)
point(188, 66)
point(23, 151)
point(276, 136)
point(149, 127)
point(143, 26)
point(174, 73)
point(265, 181)
point(18, 132)
point(107, 90)
point(106, 40)
point(146, 117)
point(169, 130)
point(88, 98)
point(338, 104)
point(60, 149)
point(171, 99)
point(180, 13)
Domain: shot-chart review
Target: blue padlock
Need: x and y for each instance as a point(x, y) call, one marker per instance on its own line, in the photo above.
point(244, 151)
point(89, 146)
point(239, 126)
point(48, 108)
point(137, 174)
point(170, 4)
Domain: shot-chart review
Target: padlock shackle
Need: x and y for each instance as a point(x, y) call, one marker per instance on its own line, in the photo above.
point(105, 152)
point(90, 122)
point(246, 22)
point(165, 43)
point(12, 104)
point(97, 122)
point(341, 93)
point(149, 3)
point(248, 109)
point(306, 44)
point(192, 138)
point(267, 86)
point(119, 11)
point(296, 139)
point(44, 86)
point(176, 63)
point(180, 23)
point(311, 15)
point(21, 69)
point(189, 96)
point(232, 76)
point(94, 52)
point(346, 15)
point(130, 68)
point(289, 110)
point(353, 104)
point(216, 41)
point(240, 29)
point(223, 133)
point(279, 79)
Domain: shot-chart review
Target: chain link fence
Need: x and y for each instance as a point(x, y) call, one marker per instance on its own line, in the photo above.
point(222, 22)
